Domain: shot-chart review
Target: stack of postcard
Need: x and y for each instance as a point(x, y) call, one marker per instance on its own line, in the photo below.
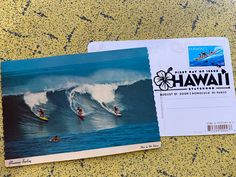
point(110, 102)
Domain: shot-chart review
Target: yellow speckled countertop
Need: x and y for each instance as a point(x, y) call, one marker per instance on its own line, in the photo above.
point(37, 28)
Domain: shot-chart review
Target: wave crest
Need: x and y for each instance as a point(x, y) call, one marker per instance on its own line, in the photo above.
point(99, 92)
point(35, 100)
point(42, 83)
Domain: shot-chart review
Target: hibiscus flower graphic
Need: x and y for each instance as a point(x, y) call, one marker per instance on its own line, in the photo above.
point(164, 79)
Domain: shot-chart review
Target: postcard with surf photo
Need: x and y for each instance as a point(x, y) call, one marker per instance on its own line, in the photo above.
point(78, 106)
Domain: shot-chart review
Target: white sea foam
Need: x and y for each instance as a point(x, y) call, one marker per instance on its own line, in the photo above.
point(35, 99)
point(99, 92)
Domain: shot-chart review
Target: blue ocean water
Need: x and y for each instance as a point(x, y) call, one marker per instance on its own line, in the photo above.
point(60, 107)
point(122, 135)
point(100, 128)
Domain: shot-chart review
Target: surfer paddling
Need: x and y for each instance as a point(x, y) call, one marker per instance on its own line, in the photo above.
point(55, 139)
point(80, 113)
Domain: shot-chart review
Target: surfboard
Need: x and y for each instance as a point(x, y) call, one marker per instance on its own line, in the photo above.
point(43, 118)
point(81, 116)
point(118, 115)
point(111, 111)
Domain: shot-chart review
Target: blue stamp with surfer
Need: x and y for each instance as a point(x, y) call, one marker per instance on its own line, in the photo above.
point(206, 56)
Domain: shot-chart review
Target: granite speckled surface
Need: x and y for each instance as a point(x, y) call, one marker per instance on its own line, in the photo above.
point(37, 28)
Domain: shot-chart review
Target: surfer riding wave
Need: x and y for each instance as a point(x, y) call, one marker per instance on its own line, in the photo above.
point(37, 102)
point(57, 106)
point(101, 94)
point(203, 55)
